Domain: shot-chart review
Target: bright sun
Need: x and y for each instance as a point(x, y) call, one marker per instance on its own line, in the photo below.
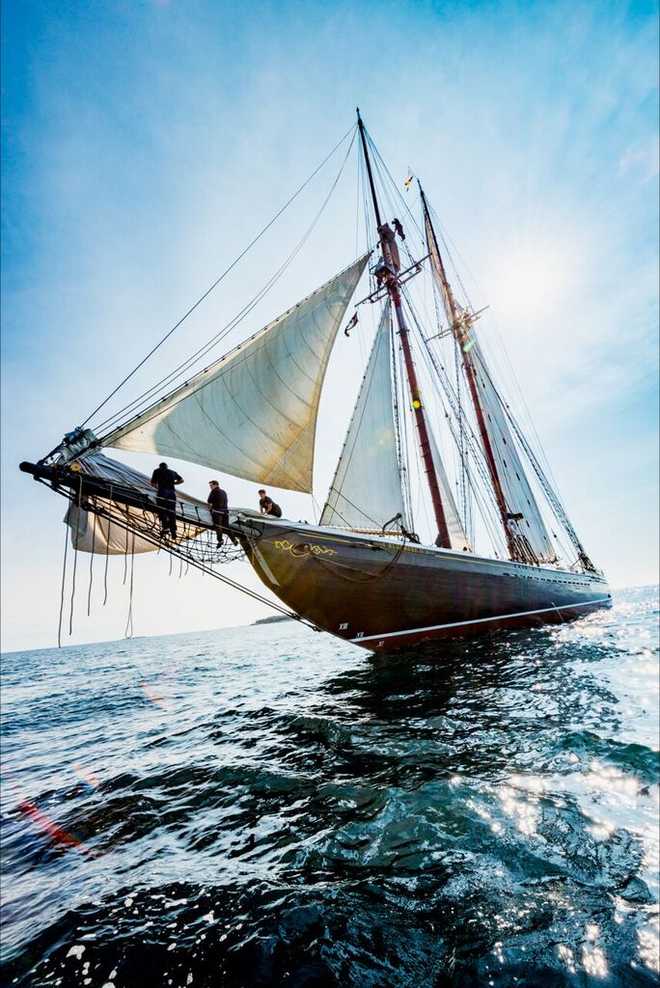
point(531, 280)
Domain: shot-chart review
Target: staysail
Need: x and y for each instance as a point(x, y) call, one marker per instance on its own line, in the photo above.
point(457, 537)
point(253, 412)
point(522, 517)
point(366, 488)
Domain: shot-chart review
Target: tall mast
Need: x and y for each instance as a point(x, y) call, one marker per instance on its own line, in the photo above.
point(460, 325)
point(390, 278)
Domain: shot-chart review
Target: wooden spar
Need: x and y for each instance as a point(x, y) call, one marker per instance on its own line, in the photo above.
point(460, 335)
point(367, 161)
point(392, 284)
point(443, 539)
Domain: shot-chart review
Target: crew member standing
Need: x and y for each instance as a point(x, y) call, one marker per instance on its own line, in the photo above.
point(267, 506)
point(217, 502)
point(165, 480)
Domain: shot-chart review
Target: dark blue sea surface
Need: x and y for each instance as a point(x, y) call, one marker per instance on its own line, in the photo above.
point(270, 806)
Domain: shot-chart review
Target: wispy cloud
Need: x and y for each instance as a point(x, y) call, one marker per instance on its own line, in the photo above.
point(642, 160)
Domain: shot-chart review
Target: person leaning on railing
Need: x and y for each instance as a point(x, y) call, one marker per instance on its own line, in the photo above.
point(267, 506)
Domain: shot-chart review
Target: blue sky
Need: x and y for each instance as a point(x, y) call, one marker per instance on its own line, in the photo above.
point(144, 143)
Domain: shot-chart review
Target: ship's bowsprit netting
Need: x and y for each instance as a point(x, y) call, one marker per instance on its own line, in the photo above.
point(195, 544)
point(198, 545)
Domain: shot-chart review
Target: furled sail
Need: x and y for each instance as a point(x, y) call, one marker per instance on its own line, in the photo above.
point(366, 489)
point(457, 536)
point(519, 497)
point(253, 412)
point(524, 520)
point(92, 533)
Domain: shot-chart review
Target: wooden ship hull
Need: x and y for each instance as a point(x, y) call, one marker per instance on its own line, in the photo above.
point(383, 594)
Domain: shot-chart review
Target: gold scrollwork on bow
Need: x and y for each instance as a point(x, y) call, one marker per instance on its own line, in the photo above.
point(299, 549)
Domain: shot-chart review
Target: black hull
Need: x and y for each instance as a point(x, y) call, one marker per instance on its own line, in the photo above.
point(373, 590)
point(381, 595)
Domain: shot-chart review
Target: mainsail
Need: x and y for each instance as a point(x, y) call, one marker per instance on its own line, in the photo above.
point(253, 412)
point(518, 495)
point(522, 518)
point(366, 488)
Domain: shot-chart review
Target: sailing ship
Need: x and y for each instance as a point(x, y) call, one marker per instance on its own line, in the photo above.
point(361, 572)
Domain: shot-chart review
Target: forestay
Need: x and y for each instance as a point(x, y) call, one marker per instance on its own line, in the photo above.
point(366, 489)
point(253, 412)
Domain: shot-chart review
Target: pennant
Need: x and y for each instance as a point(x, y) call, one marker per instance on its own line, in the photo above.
point(351, 325)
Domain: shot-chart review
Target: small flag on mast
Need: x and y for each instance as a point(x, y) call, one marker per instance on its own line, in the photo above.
point(408, 182)
point(351, 324)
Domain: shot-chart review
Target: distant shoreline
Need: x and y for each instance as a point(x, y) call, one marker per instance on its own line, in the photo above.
point(273, 619)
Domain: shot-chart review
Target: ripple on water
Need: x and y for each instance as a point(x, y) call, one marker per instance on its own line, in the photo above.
point(259, 806)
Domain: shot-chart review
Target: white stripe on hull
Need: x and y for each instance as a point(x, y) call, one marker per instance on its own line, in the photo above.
point(461, 624)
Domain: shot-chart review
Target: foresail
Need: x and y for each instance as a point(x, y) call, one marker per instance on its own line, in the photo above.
point(253, 413)
point(457, 537)
point(366, 489)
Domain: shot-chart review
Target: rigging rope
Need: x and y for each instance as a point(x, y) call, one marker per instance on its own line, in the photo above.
point(223, 275)
point(125, 554)
point(402, 201)
point(402, 452)
point(474, 447)
point(344, 465)
point(175, 550)
point(75, 558)
point(488, 506)
point(91, 570)
point(366, 577)
point(107, 556)
point(446, 241)
point(128, 630)
point(464, 442)
point(66, 549)
point(117, 420)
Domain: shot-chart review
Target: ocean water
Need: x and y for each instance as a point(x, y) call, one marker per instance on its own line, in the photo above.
point(269, 806)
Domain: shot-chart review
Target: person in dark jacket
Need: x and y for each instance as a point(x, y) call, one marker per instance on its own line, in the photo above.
point(165, 480)
point(217, 502)
point(267, 506)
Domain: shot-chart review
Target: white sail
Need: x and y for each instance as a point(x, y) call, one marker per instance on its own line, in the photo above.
point(518, 496)
point(253, 412)
point(366, 489)
point(457, 537)
point(92, 533)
